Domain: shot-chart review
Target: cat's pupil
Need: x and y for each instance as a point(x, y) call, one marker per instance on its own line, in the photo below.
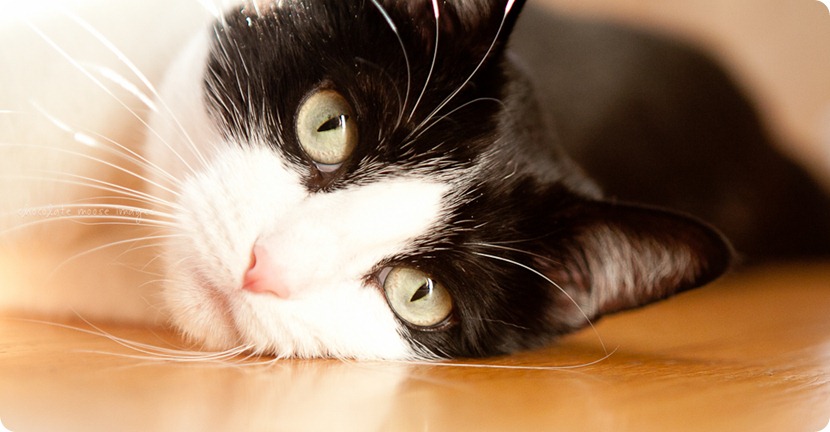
point(333, 123)
point(422, 291)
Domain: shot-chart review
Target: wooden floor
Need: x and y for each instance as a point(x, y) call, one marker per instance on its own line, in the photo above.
point(748, 353)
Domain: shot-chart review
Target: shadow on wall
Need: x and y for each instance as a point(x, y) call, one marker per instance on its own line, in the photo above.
point(655, 121)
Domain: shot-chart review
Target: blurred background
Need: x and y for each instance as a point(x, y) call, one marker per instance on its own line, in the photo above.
point(779, 50)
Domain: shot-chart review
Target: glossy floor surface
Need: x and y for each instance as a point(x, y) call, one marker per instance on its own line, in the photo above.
point(748, 353)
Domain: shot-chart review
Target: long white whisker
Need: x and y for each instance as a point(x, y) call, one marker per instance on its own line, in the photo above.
point(122, 82)
point(122, 192)
point(557, 286)
point(512, 367)
point(120, 150)
point(535, 255)
point(98, 160)
point(116, 207)
point(107, 246)
point(211, 8)
point(151, 352)
point(101, 85)
point(405, 58)
point(475, 70)
point(437, 14)
point(132, 156)
point(144, 80)
point(52, 213)
point(422, 130)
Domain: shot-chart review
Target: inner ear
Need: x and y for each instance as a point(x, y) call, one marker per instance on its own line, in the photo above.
point(616, 256)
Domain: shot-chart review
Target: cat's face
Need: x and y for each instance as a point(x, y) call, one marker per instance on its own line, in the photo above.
point(346, 189)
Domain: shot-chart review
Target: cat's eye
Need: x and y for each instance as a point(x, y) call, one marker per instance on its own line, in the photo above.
point(417, 298)
point(326, 128)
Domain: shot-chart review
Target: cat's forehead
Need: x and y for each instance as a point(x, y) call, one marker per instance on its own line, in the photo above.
point(428, 43)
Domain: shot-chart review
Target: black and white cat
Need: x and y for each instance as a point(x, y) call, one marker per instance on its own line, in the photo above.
point(368, 179)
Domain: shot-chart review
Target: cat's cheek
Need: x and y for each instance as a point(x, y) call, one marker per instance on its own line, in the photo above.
point(202, 315)
point(346, 321)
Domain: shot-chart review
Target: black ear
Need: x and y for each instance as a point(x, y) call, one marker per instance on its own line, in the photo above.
point(490, 16)
point(474, 24)
point(613, 257)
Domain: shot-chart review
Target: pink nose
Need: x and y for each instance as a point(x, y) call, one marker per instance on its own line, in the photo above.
point(262, 275)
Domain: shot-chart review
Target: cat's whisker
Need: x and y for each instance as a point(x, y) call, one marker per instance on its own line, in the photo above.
point(97, 160)
point(122, 82)
point(134, 244)
point(133, 157)
point(125, 60)
point(80, 67)
point(77, 136)
point(50, 213)
point(113, 244)
point(557, 286)
point(397, 33)
point(437, 14)
point(148, 351)
point(452, 95)
point(421, 130)
point(606, 356)
point(153, 353)
point(122, 192)
point(212, 8)
point(505, 323)
point(257, 359)
point(211, 87)
point(226, 55)
point(256, 8)
point(522, 251)
point(145, 268)
point(53, 213)
point(429, 354)
point(116, 148)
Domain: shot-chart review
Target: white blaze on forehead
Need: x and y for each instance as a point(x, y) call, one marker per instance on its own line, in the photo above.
point(329, 236)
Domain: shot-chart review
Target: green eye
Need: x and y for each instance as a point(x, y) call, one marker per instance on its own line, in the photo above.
point(326, 128)
point(416, 298)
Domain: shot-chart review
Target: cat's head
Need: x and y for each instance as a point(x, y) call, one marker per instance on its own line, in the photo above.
point(373, 179)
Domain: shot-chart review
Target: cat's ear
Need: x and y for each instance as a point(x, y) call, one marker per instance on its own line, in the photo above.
point(486, 20)
point(487, 16)
point(610, 257)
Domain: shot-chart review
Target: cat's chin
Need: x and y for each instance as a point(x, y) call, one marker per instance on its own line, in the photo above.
point(202, 313)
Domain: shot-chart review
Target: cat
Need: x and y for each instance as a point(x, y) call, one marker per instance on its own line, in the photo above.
point(353, 179)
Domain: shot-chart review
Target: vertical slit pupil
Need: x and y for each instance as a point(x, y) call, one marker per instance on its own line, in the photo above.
point(424, 290)
point(333, 123)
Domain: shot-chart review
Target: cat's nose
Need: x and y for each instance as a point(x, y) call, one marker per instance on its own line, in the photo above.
point(263, 276)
